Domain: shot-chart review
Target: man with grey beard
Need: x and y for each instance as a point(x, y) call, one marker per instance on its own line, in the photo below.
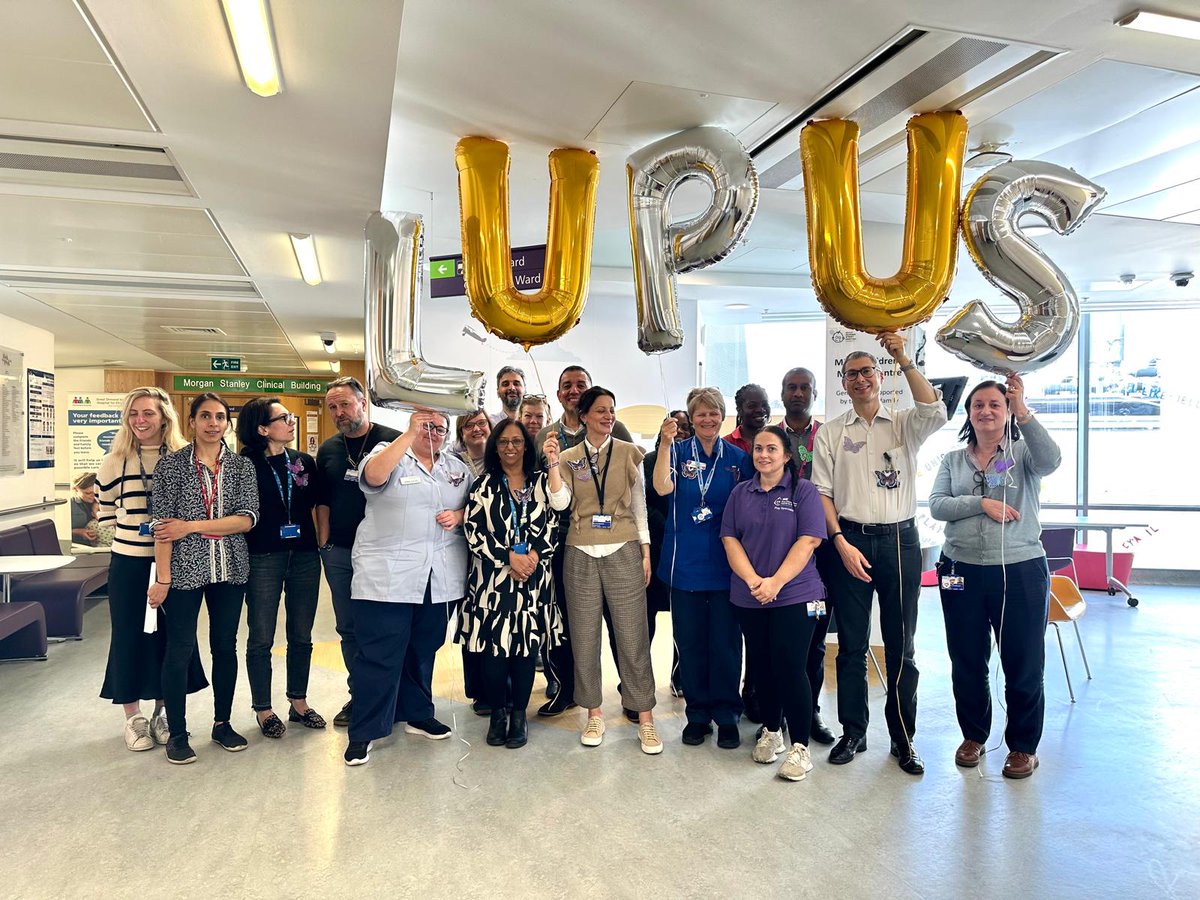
point(341, 504)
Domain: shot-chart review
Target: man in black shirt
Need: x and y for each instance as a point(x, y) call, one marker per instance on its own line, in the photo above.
point(341, 504)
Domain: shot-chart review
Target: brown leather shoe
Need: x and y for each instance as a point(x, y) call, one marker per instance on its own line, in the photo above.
point(968, 753)
point(1020, 765)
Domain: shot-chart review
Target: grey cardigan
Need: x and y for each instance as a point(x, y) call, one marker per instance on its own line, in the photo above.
point(972, 536)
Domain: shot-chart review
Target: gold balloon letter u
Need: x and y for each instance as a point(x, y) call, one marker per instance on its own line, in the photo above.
point(554, 310)
point(829, 150)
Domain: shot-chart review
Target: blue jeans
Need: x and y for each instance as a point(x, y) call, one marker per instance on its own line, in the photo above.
point(296, 574)
point(338, 575)
point(710, 654)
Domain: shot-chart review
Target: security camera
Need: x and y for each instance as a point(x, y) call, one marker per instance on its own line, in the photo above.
point(328, 338)
point(1182, 279)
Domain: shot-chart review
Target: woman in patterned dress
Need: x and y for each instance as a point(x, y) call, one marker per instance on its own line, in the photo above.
point(509, 611)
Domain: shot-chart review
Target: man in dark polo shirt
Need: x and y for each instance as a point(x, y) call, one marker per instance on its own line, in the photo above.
point(341, 504)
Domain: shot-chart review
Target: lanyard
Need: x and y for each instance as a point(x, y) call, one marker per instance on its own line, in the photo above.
point(702, 482)
point(205, 478)
point(162, 451)
point(512, 506)
point(595, 475)
point(286, 501)
point(354, 463)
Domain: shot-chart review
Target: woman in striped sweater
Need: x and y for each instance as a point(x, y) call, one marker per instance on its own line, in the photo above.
point(149, 429)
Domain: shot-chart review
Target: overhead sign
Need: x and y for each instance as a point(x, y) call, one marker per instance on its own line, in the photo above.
point(446, 272)
point(842, 341)
point(248, 385)
point(226, 363)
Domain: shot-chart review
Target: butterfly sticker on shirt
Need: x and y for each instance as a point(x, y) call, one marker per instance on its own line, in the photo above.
point(852, 446)
point(690, 468)
point(455, 478)
point(579, 468)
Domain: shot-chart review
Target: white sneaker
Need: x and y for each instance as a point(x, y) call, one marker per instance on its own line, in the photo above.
point(137, 733)
point(159, 729)
point(768, 747)
point(593, 732)
point(648, 735)
point(796, 764)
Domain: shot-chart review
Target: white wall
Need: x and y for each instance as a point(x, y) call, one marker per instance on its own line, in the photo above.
point(33, 485)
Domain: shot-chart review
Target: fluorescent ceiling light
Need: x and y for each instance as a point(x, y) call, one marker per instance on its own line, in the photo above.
point(737, 305)
point(1175, 26)
point(306, 257)
point(249, 24)
point(1098, 286)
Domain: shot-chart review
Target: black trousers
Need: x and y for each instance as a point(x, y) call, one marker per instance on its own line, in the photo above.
point(1016, 615)
point(778, 638)
point(182, 608)
point(895, 572)
point(498, 673)
point(561, 659)
point(827, 557)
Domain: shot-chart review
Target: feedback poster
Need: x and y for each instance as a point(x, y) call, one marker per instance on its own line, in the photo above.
point(92, 423)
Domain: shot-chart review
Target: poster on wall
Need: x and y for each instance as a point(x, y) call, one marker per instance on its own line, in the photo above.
point(12, 412)
point(841, 341)
point(311, 428)
point(92, 423)
point(40, 393)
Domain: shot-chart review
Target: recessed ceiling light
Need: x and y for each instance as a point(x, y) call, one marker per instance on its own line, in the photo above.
point(253, 40)
point(1174, 26)
point(335, 366)
point(305, 248)
point(737, 305)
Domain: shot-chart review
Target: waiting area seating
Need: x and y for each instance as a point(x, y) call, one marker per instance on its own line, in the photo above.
point(22, 631)
point(60, 593)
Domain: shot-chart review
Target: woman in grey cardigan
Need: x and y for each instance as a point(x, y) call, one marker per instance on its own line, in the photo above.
point(993, 573)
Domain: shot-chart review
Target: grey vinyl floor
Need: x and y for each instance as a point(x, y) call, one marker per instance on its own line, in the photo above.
point(1113, 811)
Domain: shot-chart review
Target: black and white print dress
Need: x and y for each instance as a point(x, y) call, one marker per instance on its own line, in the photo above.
point(500, 615)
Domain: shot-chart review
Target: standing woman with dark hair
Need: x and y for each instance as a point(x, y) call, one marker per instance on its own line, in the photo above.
point(772, 525)
point(993, 572)
point(205, 500)
point(283, 555)
point(509, 614)
point(607, 562)
point(149, 430)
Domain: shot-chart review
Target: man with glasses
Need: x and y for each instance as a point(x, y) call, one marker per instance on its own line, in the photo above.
point(341, 504)
point(510, 388)
point(864, 465)
point(532, 414)
point(560, 675)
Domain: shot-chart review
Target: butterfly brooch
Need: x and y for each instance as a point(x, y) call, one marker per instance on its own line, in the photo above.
point(299, 476)
point(852, 446)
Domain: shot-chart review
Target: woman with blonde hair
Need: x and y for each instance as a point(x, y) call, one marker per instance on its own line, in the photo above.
point(149, 429)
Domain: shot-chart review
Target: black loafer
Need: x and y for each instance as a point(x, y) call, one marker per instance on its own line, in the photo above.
point(552, 688)
point(342, 719)
point(908, 759)
point(728, 737)
point(846, 748)
point(310, 718)
point(819, 732)
point(272, 726)
point(694, 733)
point(556, 707)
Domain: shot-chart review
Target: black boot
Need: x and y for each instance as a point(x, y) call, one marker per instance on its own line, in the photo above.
point(498, 729)
point(518, 733)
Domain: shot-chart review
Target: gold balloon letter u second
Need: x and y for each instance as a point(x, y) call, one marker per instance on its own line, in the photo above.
point(829, 150)
point(552, 311)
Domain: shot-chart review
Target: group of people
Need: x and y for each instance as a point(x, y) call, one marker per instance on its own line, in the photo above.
point(527, 534)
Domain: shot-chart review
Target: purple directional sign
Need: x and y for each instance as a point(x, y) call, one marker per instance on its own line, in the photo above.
point(446, 272)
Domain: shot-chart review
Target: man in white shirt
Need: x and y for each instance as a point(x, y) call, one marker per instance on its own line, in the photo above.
point(510, 388)
point(864, 465)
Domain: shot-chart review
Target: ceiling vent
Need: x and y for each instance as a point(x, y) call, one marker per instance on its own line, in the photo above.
point(918, 71)
point(193, 329)
point(78, 164)
point(126, 285)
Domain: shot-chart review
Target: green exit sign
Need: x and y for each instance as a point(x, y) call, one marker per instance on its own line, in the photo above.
point(226, 363)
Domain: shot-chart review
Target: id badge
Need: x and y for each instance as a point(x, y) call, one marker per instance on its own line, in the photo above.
point(952, 582)
point(521, 549)
point(410, 479)
point(601, 521)
point(146, 529)
point(351, 475)
point(701, 514)
point(816, 608)
point(289, 531)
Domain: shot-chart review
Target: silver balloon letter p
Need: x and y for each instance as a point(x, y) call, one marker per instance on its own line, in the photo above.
point(1049, 309)
point(662, 250)
point(397, 375)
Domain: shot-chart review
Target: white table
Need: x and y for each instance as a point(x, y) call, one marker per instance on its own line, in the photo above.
point(27, 565)
point(1087, 523)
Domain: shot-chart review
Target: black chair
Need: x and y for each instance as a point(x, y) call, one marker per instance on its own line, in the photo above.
point(1059, 544)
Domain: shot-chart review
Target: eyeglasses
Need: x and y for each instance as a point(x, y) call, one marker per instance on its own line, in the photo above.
point(867, 372)
point(980, 482)
point(436, 429)
point(514, 443)
point(482, 423)
point(289, 418)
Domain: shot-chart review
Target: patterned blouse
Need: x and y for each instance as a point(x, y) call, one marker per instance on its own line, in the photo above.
point(181, 484)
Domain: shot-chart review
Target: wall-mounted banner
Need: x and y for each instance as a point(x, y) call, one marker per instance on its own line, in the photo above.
point(446, 272)
point(40, 392)
point(198, 384)
point(12, 411)
point(841, 341)
point(92, 423)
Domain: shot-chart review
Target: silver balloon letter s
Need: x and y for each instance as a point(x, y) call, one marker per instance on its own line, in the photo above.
point(1049, 308)
point(397, 375)
point(662, 250)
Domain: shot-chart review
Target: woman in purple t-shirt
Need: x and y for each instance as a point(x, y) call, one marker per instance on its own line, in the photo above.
point(771, 527)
